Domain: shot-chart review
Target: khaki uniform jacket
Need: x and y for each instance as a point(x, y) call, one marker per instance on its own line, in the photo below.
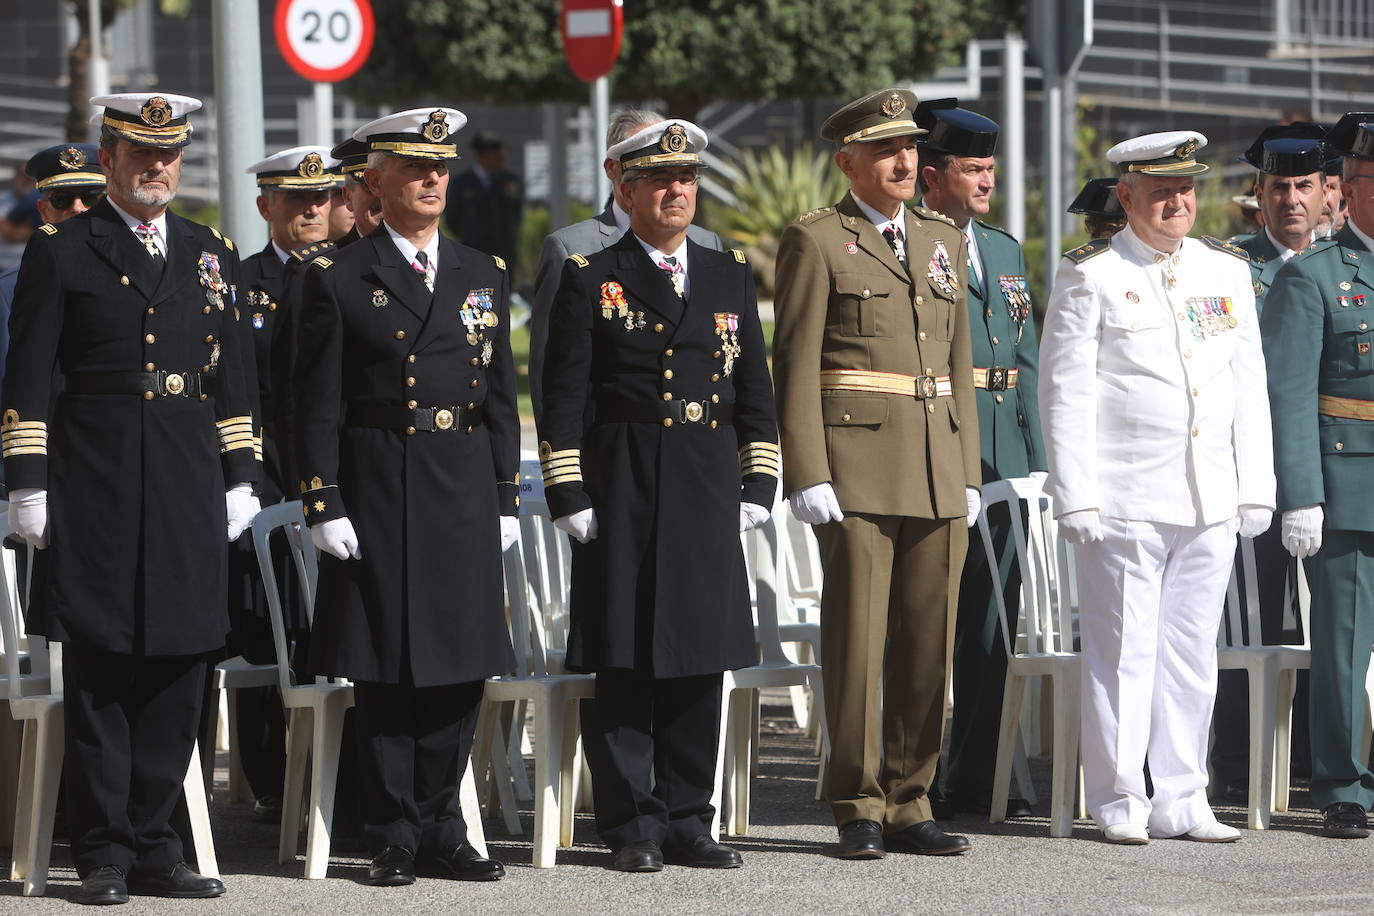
point(844, 301)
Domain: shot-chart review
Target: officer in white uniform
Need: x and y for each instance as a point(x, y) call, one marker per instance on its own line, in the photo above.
point(1156, 422)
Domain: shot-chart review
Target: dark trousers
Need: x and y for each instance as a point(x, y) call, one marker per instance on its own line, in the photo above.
point(651, 747)
point(980, 662)
point(414, 744)
point(1274, 577)
point(130, 728)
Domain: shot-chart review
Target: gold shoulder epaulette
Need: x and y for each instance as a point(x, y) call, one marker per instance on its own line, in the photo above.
point(925, 213)
point(1234, 251)
point(306, 252)
point(817, 213)
point(228, 242)
point(500, 261)
point(578, 260)
point(739, 255)
point(48, 229)
point(323, 263)
point(1089, 250)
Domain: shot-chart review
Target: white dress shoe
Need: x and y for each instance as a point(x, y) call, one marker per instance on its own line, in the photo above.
point(1212, 831)
point(1126, 834)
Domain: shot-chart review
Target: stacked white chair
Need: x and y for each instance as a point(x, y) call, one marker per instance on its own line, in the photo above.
point(1044, 623)
point(35, 699)
point(1272, 675)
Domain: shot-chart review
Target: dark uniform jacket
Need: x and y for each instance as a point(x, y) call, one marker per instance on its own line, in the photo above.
point(662, 588)
point(1318, 332)
point(486, 216)
point(135, 482)
point(1003, 336)
point(423, 606)
point(262, 303)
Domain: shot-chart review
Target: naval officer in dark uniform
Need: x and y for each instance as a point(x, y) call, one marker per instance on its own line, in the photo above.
point(135, 473)
point(408, 439)
point(658, 446)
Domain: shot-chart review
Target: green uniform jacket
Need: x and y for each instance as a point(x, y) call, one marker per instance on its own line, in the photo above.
point(1318, 330)
point(1002, 328)
point(1265, 264)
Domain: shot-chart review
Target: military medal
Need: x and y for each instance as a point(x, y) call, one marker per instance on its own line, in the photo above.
point(1017, 293)
point(257, 320)
point(379, 298)
point(1359, 300)
point(941, 273)
point(727, 327)
point(207, 271)
point(1343, 301)
point(851, 247)
point(633, 320)
point(613, 303)
point(486, 352)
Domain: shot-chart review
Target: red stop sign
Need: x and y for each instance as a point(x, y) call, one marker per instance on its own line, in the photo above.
point(591, 36)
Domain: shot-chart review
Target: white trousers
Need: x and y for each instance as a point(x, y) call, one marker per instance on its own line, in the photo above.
point(1150, 603)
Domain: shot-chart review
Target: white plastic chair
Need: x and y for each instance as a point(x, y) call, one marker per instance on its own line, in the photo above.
point(36, 700)
point(557, 732)
point(1272, 675)
point(1045, 616)
point(231, 675)
point(734, 754)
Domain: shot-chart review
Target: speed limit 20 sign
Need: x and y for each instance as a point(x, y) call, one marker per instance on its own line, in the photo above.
point(325, 40)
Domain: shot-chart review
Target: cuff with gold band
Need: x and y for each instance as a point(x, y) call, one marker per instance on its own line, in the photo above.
point(320, 502)
point(508, 496)
point(257, 443)
point(759, 458)
point(237, 432)
point(563, 466)
point(23, 437)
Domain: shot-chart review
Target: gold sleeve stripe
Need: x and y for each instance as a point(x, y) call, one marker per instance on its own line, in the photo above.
point(564, 453)
point(11, 434)
point(561, 464)
point(232, 447)
point(25, 424)
point(770, 470)
point(762, 448)
point(238, 437)
point(234, 421)
point(25, 450)
point(551, 480)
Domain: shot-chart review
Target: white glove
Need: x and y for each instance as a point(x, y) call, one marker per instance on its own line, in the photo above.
point(1083, 526)
point(29, 516)
point(510, 531)
point(975, 505)
point(1301, 531)
point(581, 525)
point(1254, 521)
point(816, 505)
point(337, 538)
point(751, 515)
point(241, 505)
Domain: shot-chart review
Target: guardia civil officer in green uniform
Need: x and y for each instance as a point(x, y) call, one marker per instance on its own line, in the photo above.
point(958, 173)
point(1289, 190)
point(879, 427)
point(658, 447)
point(408, 440)
point(1318, 328)
point(134, 473)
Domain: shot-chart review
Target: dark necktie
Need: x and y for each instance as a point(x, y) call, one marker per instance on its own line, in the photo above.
point(896, 241)
point(422, 268)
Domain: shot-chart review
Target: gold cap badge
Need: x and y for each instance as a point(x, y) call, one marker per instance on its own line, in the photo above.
point(71, 158)
point(312, 166)
point(674, 139)
point(156, 112)
point(436, 130)
point(1186, 149)
point(894, 105)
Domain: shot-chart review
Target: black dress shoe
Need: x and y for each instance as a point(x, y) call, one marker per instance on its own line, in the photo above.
point(178, 881)
point(393, 867)
point(1016, 808)
point(103, 887)
point(465, 863)
point(861, 839)
point(267, 810)
point(926, 839)
point(1345, 821)
point(641, 856)
point(702, 852)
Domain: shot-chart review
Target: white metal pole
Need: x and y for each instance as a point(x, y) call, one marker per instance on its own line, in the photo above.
point(238, 93)
point(97, 67)
point(601, 122)
point(1012, 144)
point(324, 114)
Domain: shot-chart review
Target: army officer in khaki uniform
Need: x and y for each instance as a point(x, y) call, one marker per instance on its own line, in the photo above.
point(879, 433)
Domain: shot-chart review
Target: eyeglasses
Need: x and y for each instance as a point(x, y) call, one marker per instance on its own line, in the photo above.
point(63, 200)
point(659, 181)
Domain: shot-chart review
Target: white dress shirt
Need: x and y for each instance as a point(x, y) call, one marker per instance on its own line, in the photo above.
point(159, 224)
point(1143, 419)
point(879, 220)
point(282, 254)
point(1286, 253)
point(681, 254)
point(408, 250)
point(622, 218)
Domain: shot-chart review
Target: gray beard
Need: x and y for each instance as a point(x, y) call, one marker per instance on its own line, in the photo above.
point(146, 197)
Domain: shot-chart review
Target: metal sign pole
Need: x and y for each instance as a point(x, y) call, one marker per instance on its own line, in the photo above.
point(324, 114)
point(601, 122)
point(238, 94)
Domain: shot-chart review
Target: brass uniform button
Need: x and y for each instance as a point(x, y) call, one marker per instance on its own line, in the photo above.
point(921, 335)
point(149, 339)
point(412, 404)
point(715, 377)
point(474, 361)
point(151, 310)
point(667, 395)
point(123, 281)
point(147, 395)
point(658, 329)
point(206, 310)
point(472, 406)
point(715, 399)
point(713, 424)
point(410, 430)
point(1194, 432)
point(410, 381)
point(472, 384)
point(149, 367)
point(668, 352)
point(203, 396)
point(271, 306)
point(209, 338)
point(930, 408)
point(411, 357)
point(667, 421)
point(995, 341)
point(716, 355)
point(1187, 354)
point(1000, 399)
point(1340, 446)
point(1194, 392)
point(921, 300)
point(845, 418)
point(400, 335)
point(667, 373)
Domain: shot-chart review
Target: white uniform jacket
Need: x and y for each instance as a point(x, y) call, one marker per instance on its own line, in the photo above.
point(1153, 397)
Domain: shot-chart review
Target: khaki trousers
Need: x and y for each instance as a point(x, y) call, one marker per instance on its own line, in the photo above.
point(886, 611)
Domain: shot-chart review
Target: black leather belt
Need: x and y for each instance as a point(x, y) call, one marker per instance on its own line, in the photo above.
point(161, 383)
point(618, 410)
point(413, 419)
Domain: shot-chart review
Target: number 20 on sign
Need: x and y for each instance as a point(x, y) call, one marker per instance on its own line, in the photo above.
point(325, 40)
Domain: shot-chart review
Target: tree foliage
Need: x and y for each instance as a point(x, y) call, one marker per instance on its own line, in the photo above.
point(682, 51)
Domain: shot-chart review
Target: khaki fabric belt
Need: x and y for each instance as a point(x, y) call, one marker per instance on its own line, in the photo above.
point(920, 387)
point(1346, 408)
point(998, 378)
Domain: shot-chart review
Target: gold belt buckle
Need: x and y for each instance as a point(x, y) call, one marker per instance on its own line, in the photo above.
point(925, 387)
point(443, 419)
point(175, 383)
point(693, 411)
